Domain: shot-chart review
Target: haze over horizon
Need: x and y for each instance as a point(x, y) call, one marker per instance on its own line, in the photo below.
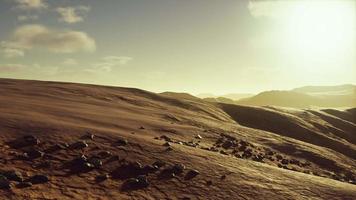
point(201, 46)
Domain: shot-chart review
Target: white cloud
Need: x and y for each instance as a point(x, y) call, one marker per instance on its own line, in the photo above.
point(107, 63)
point(11, 67)
point(37, 36)
point(70, 62)
point(22, 18)
point(72, 15)
point(31, 4)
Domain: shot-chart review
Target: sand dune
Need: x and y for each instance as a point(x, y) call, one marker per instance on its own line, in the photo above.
point(237, 152)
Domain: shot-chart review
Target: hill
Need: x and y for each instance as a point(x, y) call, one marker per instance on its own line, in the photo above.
point(98, 142)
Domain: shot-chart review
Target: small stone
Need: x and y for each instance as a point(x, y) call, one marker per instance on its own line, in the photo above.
point(104, 154)
point(39, 179)
point(166, 138)
point(102, 177)
point(191, 174)
point(121, 142)
point(178, 168)
point(159, 163)
point(227, 144)
point(284, 161)
point(79, 145)
point(198, 137)
point(96, 162)
point(34, 154)
point(167, 144)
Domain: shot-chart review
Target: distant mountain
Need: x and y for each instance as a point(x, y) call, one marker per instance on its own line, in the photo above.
point(230, 96)
point(306, 97)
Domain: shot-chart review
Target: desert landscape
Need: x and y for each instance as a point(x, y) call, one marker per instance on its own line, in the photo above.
point(177, 100)
point(76, 141)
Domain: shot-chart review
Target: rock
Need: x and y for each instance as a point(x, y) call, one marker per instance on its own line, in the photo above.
point(209, 183)
point(13, 175)
point(24, 185)
point(223, 152)
point(79, 145)
point(38, 179)
point(178, 169)
point(159, 163)
point(102, 177)
point(28, 140)
point(136, 183)
point(198, 137)
point(167, 144)
point(227, 144)
point(150, 169)
point(166, 138)
point(96, 162)
point(4, 183)
point(285, 161)
point(89, 136)
point(128, 170)
point(141, 127)
point(80, 164)
point(169, 149)
point(121, 142)
point(104, 154)
point(34, 154)
point(279, 157)
point(223, 177)
point(191, 174)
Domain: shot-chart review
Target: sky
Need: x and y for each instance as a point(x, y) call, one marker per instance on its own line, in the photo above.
point(194, 46)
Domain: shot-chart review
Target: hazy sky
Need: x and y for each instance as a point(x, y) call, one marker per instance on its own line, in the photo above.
point(196, 46)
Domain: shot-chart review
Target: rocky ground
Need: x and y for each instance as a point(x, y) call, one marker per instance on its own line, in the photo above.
point(73, 141)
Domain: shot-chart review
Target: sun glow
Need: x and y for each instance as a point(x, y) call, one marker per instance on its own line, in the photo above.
point(322, 28)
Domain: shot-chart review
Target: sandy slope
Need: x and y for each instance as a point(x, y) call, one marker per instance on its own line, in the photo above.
point(321, 144)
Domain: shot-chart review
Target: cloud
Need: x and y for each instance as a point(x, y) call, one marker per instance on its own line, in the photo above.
point(107, 63)
point(22, 18)
point(72, 15)
point(70, 62)
point(12, 53)
point(31, 4)
point(11, 67)
point(37, 36)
